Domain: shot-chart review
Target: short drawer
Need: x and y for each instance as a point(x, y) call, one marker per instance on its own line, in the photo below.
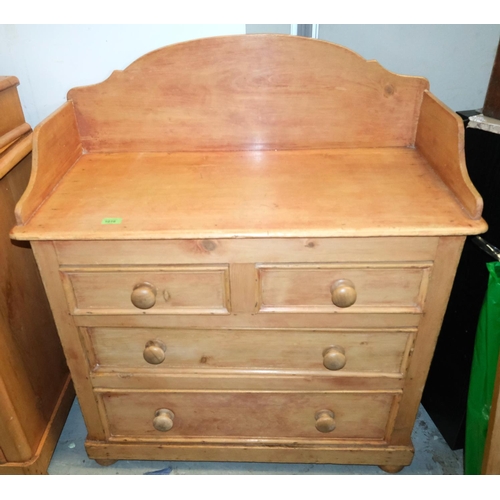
point(139, 290)
point(171, 415)
point(293, 351)
point(354, 288)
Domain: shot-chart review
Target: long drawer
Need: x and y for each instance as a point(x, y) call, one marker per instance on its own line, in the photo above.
point(383, 352)
point(181, 415)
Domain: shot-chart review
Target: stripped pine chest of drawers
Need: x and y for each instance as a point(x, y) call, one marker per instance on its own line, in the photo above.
point(247, 262)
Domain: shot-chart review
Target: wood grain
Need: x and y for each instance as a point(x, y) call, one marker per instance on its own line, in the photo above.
point(440, 140)
point(29, 387)
point(244, 288)
point(73, 349)
point(245, 93)
point(252, 194)
point(441, 281)
point(246, 251)
point(12, 115)
point(307, 288)
point(7, 82)
point(15, 140)
point(24, 304)
point(255, 415)
point(17, 440)
point(286, 319)
point(180, 289)
point(11, 156)
point(260, 351)
point(38, 463)
point(232, 379)
point(13, 135)
point(52, 157)
point(342, 453)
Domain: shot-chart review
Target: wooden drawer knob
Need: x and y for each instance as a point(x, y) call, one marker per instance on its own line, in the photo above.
point(343, 293)
point(144, 295)
point(154, 352)
point(334, 357)
point(164, 420)
point(325, 421)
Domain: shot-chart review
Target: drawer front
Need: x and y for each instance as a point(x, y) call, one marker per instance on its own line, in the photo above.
point(255, 415)
point(166, 290)
point(343, 288)
point(321, 352)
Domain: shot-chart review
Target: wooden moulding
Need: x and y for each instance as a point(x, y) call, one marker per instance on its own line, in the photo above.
point(15, 152)
point(15, 133)
point(7, 82)
point(347, 454)
point(12, 115)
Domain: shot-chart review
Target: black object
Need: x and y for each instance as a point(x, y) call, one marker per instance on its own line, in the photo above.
point(446, 390)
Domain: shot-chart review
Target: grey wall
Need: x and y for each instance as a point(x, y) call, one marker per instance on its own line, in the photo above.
point(284, 29)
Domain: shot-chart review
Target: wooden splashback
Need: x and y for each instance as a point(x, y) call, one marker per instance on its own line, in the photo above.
point(249, 92)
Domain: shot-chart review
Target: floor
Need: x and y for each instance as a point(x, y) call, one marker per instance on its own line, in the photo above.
point(432, 456)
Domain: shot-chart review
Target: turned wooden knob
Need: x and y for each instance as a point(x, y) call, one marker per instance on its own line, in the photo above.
point(325, 421)
point(144, 295)
point(334, 357)
point(343, 293)
point(164, 420)
point(154, 352)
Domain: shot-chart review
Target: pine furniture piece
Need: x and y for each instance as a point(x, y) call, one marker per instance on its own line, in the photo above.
point(35, 387)
point(247, 262)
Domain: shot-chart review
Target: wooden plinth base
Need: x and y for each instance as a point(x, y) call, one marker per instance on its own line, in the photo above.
point(393, 458)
